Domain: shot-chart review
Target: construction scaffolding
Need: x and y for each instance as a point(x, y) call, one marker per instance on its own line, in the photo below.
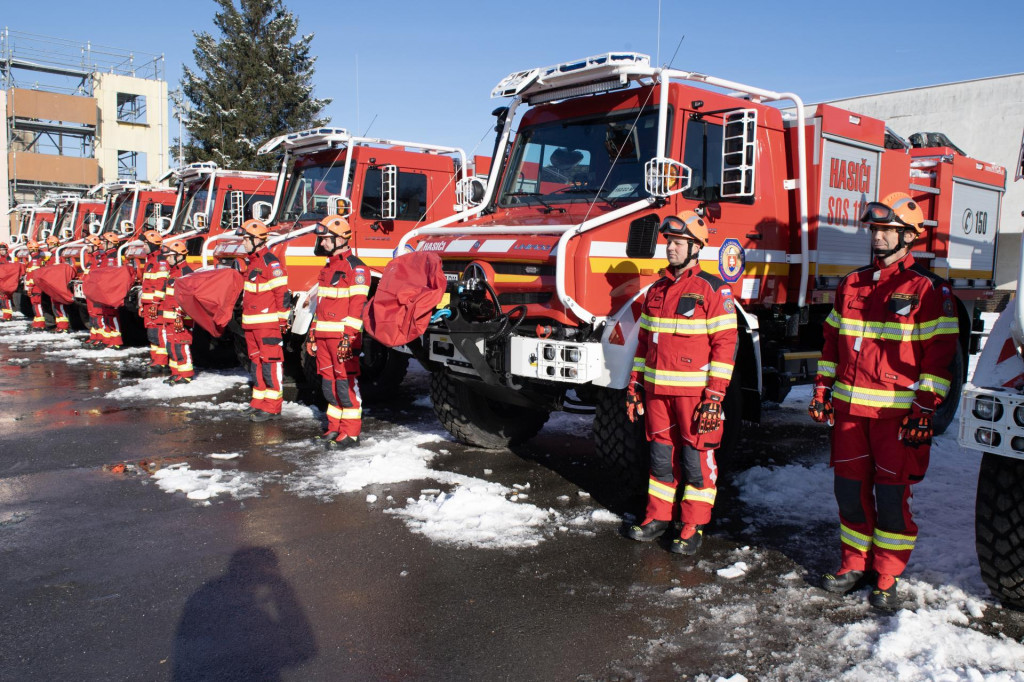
point(53, 112)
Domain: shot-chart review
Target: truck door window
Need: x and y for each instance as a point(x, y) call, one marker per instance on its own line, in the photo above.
point(703, 154)
point(412, 195)
point(309, 189)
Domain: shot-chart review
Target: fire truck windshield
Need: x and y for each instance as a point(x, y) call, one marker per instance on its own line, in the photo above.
point(195, 201)
point(64, 218)
point(120, 209)
point(582, 159)
point(309, 189)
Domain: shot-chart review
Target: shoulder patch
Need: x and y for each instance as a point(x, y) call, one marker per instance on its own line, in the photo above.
point(715, 282)
point(360, 277)
point(729, 305)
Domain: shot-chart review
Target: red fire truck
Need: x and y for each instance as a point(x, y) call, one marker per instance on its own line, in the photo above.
point(547, 274)
point(384, 187)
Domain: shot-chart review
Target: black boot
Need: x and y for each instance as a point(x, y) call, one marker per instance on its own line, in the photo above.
point(689, 541)
point(343, 443)
point(262, 416)
point(842, 582)
point(883, 596)
point(646, 531)
point(330, 435)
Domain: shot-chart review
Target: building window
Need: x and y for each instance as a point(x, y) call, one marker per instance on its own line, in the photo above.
point(131, 165)
point(131, 108)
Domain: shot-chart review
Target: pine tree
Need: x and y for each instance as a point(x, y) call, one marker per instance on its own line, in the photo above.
point(250, 84)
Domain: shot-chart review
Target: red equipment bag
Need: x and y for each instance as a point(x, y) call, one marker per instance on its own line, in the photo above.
point(53, 280)
point(10, 277)
point(209, 297)
point(108, 285)
point(411, 287)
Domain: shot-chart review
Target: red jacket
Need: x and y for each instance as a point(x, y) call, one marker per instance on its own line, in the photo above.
point(687, 335)
point(263, 294)
point(154, 279)
point(342, 288)
point(889, 340)
point(33, 263)
point(168, 306)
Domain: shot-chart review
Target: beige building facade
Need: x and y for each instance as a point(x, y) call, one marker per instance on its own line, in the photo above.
point(132, 135)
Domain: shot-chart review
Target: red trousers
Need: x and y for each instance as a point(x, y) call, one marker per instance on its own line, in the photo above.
point(340, 388)
point(95, 326)
point(6, 311)
point(38, 320)
point(873, 474)
point(110, 326)
point(60, 316)
point(178, 346)
point(679, 456)
point(157, 341)
point(266, 353)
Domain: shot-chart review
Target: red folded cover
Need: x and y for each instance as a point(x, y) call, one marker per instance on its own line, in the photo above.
point(53, 281)
point(108, 285)
point(10, 277)
point(411, 287)
point(209, 297)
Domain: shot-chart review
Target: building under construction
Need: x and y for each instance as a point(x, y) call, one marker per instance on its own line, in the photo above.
point(77, 114)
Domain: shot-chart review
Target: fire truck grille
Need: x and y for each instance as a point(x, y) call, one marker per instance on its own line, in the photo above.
point(458, 266)
point(525, 298)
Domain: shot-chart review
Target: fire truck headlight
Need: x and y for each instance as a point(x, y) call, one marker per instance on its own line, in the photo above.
point(571, 354)
point(1018, 415)
point(1017, 443)
point(987, 408)
point(987, 437)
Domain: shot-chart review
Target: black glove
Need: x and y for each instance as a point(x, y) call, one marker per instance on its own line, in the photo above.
point(345, 349)
point(820, 408)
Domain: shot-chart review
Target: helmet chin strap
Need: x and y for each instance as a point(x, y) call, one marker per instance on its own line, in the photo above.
point(885, 253)
point(690, 256)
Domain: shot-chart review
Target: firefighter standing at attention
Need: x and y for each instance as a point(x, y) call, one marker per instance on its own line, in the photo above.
point(154, 276)
point(683, 364)
point(336, 333)
point(889, 343)
point(6, 310)
point(60, 311)
point(175, 324)
point(109, 316)
point(35, 296)
point(264, 318)
point(93, 249)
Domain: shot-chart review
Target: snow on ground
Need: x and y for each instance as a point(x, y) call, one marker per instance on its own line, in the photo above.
point(205, 383)
point(73, 356)
point(203, 484)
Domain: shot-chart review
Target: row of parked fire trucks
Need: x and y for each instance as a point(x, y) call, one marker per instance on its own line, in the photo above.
point(548, 246)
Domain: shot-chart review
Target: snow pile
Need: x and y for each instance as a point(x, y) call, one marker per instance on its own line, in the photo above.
point(478, 515)
point(79, 355)
point(204, 484)
point(206, 383)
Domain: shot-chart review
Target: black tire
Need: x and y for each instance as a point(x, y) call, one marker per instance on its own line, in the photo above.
point(620, 445)
point(477, 420)
point(946, 410)
point(999, 527)
point(381, 370)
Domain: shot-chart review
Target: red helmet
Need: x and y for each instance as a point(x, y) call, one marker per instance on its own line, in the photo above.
point(688, 225)
point(253, 228)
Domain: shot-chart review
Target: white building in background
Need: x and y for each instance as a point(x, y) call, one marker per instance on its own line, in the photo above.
point(984, 118)
point(5, 197)
point(131, 138)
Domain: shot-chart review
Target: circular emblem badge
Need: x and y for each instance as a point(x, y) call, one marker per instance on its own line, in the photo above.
point(731, 259)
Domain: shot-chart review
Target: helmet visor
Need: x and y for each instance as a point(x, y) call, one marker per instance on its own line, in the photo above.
point(877, 213)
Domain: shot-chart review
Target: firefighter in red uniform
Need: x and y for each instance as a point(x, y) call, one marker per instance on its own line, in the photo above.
point(109, 317)
point(336, 334)
point(175, 324)
point(6, 311)
point(60, 312)
point(154, 277)
point(264, 318)
point(889, 342)
point(35, 296)
point(683, 364)
point(93, 251)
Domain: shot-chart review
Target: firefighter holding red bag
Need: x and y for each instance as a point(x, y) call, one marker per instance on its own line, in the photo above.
point(6, 310)
point(885, 366)
point(682, 368)
point(109, 316)
point(264, 318)
point(175, 324)
point(154, 279)
point(335, 336)
point(60, 311)
point(35, 261)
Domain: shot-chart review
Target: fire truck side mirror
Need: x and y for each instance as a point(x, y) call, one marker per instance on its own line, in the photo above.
point(163, 225)
point(339, 205)
point(127, 227)
point(261, 210)
point(389, 192)
point(199, 220)
point(470, 191)
point(739, 149)
point(95, 228)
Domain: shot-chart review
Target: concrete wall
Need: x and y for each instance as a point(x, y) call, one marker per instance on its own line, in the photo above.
point(5, 197)
point(112, 135)
point(985, 118)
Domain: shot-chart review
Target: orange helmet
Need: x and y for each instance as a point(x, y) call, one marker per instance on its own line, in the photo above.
point(112, 238)
point(333, 224)
point(94, 240)
point(152, 237)
point(897, 210)
point(52, 240)
point(688, 225)
point(3, 246)
point(177, 246)
point(32, 245)
point(253, 228)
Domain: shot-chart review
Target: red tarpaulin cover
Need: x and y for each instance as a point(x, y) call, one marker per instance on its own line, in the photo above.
point(10, 277)
point(411, 287)
point(53, 281)
point(108, 285)
point(209, 297)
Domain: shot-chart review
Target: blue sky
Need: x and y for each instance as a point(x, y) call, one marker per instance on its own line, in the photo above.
point(426, 69)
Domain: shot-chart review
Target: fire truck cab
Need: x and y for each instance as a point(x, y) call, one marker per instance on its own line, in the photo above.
point(546, 276)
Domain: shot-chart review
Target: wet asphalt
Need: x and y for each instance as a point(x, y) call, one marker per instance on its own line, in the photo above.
point(104, 576)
